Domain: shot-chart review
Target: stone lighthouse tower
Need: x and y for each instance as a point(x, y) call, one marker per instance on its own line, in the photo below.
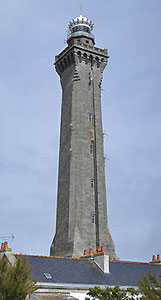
point(81, 205)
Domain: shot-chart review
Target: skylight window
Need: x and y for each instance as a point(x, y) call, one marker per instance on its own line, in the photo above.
point(48, 275)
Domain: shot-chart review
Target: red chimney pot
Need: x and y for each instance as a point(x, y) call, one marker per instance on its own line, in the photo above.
point(5, 244)
point(98, 249)
point(85, 252)
point(90, 251)
point(158, 257)
point(2, 246)
point(153, 258)
point(102, 249)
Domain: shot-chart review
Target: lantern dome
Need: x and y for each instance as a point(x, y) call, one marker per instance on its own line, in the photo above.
point(80, 26)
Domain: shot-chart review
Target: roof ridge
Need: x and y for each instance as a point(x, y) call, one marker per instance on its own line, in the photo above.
point(81, 258)
point(47, 256)
point(133, 262)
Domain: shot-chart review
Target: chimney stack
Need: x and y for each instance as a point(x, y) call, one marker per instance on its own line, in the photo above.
point(156, 260)
point(101, 259)
point(4, 247)
point(7, 252)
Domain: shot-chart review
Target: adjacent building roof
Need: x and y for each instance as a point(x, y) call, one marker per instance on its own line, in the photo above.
point(51, 297)
point(84, 272)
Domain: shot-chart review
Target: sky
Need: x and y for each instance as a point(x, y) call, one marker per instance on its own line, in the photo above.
point(31, 34)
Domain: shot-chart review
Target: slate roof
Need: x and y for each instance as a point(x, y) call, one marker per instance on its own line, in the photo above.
point(84, 272)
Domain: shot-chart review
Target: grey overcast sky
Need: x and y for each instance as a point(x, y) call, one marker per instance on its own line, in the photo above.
point(32, 32)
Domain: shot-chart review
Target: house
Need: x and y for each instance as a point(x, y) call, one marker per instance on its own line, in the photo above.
point(64, 278)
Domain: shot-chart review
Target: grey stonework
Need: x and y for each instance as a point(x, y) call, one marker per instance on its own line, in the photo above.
point(81, 209)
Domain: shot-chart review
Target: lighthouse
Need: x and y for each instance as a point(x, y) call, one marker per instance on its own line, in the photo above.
point(81, 198)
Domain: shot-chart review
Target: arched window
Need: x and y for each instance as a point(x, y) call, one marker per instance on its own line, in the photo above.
point(72, 56)
point(68, 59)
point(91, 59)
point(79, 56)
point(65, 62)
point(97, 62)
point(85, 57)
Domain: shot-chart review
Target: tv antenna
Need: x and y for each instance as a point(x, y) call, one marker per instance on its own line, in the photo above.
point(6, 238)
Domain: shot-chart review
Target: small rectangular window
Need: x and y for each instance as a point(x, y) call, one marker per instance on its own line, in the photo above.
point(90, 117)
point(92, 183)
point(91, 149)
point(93, 219)
point(89, 86)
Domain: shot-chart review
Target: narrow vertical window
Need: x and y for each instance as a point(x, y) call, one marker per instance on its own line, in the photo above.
point(91, 149)
point(90, 117)
point(92, 183)
point(93, 219)
point(89, 86)
point(79, 56)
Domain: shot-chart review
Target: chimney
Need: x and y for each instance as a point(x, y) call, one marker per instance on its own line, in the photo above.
point(102, 249)
point(88, 254)
point(153, 258)
point(2, 246)
point(101, 259)
point(156, 260)
point(7, 252)
point(90, 251)
point(6, 245)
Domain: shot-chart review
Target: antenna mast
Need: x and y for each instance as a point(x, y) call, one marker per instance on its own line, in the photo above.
point(81, 7)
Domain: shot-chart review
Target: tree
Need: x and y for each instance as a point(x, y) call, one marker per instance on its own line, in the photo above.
point(109, 293)
point(150, 287)
point(16, 281)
